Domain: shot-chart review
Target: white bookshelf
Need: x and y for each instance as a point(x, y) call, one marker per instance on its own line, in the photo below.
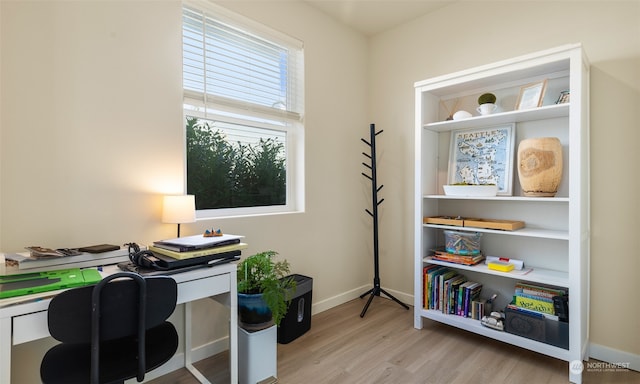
point(555, 239)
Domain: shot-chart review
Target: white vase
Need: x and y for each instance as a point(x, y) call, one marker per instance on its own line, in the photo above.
point(486, 109)
point(540, 166)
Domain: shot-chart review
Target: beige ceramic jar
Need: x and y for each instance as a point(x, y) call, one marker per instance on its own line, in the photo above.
point(540, 166)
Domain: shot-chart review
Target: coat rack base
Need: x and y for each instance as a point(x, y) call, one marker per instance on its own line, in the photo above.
point(376, 291)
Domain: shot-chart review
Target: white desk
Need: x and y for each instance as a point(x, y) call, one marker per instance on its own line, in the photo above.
point(26, 320)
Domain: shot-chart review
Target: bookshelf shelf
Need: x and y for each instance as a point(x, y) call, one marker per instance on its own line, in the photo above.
point(555, 239)
point(526, 232)
point(542, 113)
point(504, 198)
point(536, 275)
point(475, 326)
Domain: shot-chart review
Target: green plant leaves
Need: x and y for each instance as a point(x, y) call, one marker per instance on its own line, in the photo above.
point(260, 273)
point(222, 174)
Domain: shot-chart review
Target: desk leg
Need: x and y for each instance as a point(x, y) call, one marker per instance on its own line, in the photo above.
point(187, 346)
point(233, 329)
point(5, 350)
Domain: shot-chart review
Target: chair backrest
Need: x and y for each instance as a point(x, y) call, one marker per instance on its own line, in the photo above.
point(69, 313)
point(123, 305)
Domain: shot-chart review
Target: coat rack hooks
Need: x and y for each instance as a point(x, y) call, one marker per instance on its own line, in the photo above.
point(376, 290)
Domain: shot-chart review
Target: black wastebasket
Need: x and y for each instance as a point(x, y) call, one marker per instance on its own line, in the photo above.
point(297, 321)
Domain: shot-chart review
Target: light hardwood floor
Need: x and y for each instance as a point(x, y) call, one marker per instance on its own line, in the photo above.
point(383, 347)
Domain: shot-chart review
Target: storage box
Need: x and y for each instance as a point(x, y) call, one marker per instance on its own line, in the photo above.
point(462, 243)
point(501, 266)
point(537, 328)
point(257, 355)
point(297, 321)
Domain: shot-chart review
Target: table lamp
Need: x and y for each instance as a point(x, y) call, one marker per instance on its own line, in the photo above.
point(179, 209)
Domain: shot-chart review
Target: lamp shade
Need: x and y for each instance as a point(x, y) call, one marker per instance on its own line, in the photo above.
point(179, 209)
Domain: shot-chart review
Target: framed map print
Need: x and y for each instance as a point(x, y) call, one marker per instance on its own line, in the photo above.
point(483, 156)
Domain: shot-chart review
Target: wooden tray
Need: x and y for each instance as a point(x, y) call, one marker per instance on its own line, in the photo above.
point(507, 225)
point(444, 220)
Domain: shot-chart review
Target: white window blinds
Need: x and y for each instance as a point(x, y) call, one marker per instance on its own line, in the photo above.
point(246, 69)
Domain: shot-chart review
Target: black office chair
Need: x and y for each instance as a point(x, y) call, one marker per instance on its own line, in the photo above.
point(111, 332)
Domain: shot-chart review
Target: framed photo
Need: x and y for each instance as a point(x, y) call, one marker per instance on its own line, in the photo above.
point(564, 97)
point(531, 95)
point(483, 156)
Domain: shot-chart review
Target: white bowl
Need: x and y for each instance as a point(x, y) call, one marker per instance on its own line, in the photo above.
point(461, 115)
point(470, 190)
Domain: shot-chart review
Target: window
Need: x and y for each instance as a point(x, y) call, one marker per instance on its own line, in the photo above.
point(243, 106)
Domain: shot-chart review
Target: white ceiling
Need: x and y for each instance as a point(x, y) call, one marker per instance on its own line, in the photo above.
point(374, 16)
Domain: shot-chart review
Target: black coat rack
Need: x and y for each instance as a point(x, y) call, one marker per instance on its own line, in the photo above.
point(376, 290)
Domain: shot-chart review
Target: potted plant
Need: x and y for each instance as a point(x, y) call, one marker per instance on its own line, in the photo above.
point(486, 103)
point(264, 290)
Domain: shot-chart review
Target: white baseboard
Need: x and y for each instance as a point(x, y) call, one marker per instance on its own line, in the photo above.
point(177, 361)
point(342, 298)
point(402, 296)
point(614, 356)
point(354, 294)
point(212, 348)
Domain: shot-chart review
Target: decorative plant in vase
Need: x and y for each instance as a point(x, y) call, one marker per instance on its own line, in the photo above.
point(487, 103)
point(264, 290)
point(487, 98)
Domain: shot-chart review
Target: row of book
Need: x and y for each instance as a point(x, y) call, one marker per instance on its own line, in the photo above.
point(448, 291)
point(539, 301)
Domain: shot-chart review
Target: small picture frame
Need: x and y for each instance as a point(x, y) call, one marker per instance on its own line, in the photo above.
point(531, 95)
point(564, 97)
point(483, 156)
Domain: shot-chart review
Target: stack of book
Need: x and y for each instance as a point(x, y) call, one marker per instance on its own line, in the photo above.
point(456, 258)
point(451, 293)
point(23, 262)
point(188, 247)
point(536, 300)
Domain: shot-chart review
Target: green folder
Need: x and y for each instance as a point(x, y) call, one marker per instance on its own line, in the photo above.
point(35, 282)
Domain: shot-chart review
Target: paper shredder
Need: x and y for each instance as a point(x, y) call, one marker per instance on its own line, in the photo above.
point(297, 320)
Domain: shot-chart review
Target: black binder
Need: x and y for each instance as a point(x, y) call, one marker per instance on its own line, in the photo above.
point(168, 265)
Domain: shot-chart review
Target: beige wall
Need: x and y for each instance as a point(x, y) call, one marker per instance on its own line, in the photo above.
point(468, 34)
point(91, 134)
